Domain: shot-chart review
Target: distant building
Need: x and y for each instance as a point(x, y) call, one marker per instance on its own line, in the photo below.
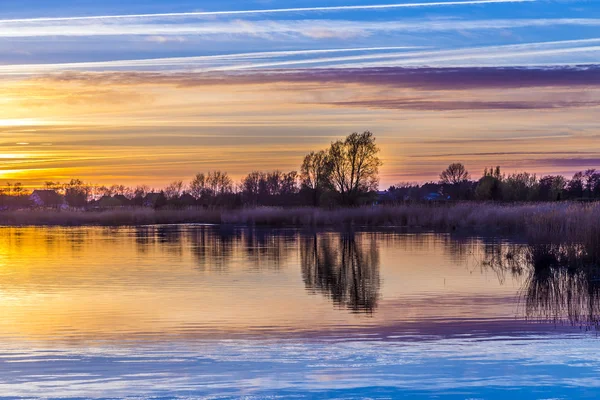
point(154, 200)
point(108, 202)
point(187, 200)
point(124, 201)
point(47, 198)
point(436, 197)
point(384, 197)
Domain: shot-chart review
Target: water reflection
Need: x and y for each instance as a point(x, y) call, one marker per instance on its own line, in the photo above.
point(344, 268)
point(192, 281)
point(213, 250)
point(341, 266)
point(562, 280)
point(196, 311)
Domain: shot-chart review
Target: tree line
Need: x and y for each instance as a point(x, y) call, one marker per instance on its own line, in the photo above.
point(346, 173)
point(455, 183)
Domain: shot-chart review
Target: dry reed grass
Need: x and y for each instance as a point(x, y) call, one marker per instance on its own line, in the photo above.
point(542, 220)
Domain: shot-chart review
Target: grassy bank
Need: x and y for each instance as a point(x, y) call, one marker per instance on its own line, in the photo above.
point(570, 219)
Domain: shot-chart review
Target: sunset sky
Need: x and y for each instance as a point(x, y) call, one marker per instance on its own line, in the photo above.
point(134, 92)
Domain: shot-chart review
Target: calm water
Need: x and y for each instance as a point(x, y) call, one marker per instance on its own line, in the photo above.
point(200, 311)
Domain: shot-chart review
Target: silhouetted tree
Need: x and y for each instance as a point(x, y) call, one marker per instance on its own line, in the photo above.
point(315, 174)
point(16, 189)
point(174, 190)
point(454, 174)
point(591, 182)
point(575, 186)
point(161, 200)
point(76, 193)
point(141, 191)
point(251, 186)
point(355, 166)
point(198, 186)
point(270, 188)
point(520, 187)
point(219, 182)
point(489, 186)
point(56, 186)
point(551, 187)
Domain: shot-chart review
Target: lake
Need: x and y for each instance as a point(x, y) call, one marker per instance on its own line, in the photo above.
point(191, 311)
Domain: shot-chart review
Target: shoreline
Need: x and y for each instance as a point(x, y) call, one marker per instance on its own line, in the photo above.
point(571, 220)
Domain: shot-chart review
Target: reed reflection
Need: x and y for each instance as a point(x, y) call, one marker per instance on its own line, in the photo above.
point(562, 280)
point(344, 267)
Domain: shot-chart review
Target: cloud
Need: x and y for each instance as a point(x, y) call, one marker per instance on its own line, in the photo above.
point(570, 162)
point(266, 11)
point(222, 61)
point(417, 89)
point(580, 51)
point(392, 77)
point(498, 153)
point(457, 105)
point(281, 29)
point(166, 39)
point(570, 52)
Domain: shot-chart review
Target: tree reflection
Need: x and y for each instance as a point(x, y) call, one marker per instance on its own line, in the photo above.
point(219, 249)
point(343, 267)
point(212, 248)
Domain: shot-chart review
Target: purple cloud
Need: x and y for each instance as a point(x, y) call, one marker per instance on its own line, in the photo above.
point(415, 78)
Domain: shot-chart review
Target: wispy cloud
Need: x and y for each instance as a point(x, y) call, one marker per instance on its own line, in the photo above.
point(166, 39)
point(431, 79)
point(268, 11)
point(567, 52)
point(314, 29)
point(207, 62)
point(457, 105)
point(527, 54)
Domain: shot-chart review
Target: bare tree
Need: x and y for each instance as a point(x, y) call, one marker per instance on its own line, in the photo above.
point(289, 183)
point(315, 173)
point(141, 191)
point(121, 190)
point(198, 186)
point(104, 191)
point(575, 186)
point(454, 174)
point(56, 186)
point(592, 180)
point(355, 165)
point(17, 189)
point(251, 185)
point(76, 193)
point(219, 182)
point(174, 190)
point(215, 183)
point(316, 170)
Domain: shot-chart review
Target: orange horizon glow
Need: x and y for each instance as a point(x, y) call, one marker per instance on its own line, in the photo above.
point(153, 132)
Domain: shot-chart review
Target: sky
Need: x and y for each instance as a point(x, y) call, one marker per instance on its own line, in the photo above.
point(147, 92)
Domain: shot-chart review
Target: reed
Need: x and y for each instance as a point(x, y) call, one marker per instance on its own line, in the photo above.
point(572, 221)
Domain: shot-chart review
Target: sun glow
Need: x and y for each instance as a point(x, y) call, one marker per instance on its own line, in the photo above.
point(11, 156)
point(10, 173)
point(22, 122)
